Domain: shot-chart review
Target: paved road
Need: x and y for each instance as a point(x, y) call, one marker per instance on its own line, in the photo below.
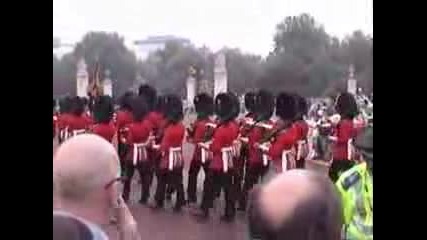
point(166, 225)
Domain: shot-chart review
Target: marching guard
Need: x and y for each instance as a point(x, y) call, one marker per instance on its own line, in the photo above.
point(137, 142)
point(103, 110)
point(257, 164)
point(301, 147)
point(281, 150)
point(63, 118)
point(169, 170)
point(204, 105)
point(220, 174)
point(78, 123)
point(123, 117)
point(345, 132)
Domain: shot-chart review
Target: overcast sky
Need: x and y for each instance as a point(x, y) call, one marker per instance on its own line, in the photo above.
point(247, 24)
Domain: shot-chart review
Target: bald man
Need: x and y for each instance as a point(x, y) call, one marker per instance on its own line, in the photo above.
point(297, 205)
point(86, 176)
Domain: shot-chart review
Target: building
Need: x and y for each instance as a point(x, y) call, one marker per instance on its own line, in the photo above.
point(151, 44)
point(60, 49)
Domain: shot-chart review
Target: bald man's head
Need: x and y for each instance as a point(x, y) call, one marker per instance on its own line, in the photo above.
point(82, 164)
point(298, 205)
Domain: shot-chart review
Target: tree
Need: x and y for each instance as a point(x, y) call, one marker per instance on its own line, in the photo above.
point(112, 54)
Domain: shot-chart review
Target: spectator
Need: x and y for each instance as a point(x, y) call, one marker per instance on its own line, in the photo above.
point(66, 227)
point(296, 205)
point(86, 183)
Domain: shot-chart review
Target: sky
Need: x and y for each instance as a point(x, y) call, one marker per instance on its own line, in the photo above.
point(246, 24)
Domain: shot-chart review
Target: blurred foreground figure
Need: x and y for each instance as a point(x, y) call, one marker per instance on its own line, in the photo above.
point(67, 227)
point(297, 205)
point(86, 184)
point(356, 189)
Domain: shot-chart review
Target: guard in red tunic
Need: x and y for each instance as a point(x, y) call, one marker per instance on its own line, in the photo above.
point(78, 122)
point(301, 147)
point(171, 163)
point(281, 151)
point(204, 105)
point(257, 163)
point(123, 118)
point(137, 141)
point(63, 118)
point(238, 162)
point(220, 172)
point(103, 110)
point(344, 133)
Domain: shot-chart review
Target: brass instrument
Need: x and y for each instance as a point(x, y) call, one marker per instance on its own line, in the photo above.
point(210, 130)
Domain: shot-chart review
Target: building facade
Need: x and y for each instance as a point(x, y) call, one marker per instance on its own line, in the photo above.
point(143, 48)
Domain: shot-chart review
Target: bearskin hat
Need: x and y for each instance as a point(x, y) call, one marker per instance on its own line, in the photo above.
point(302, 106)
point(124, 101)
point(365, 142)
point(161, 103)
point(85, 101)
point(286, 106)
point(224, 106)
point(173, 108)
point(346, 105)
point(250, 101)
point(103, 109)
point(139, 107)
point(77, 106)
point(204, 105)
point(150, 94)
point(65, 105)
point(263, 105)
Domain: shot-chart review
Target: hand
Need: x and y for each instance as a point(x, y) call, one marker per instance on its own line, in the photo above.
point(127, 226)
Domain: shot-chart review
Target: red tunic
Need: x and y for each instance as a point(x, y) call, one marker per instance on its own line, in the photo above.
point(63, 120)
point(138, 132)
point(344, 131)
point(284, 141)
point(156, 119)
point(123, 118)
point(173, 137)
point(255, 136)
point(78, 123)
point(105, 130)
point(199, 134)
point(302, 131)
point(223, 137)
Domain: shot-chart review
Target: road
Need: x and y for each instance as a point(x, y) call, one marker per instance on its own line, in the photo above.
point(167, 225)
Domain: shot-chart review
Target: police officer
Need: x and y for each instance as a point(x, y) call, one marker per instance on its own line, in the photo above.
point(356, 189)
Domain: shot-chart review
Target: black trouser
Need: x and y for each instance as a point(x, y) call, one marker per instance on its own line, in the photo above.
point(254, 173)
point(217, 181)
point(195, 167)
point(167, 178)
point(300, 163)
point(122, 150)
point(338, 167)
point(145, 170)
point(238, 176)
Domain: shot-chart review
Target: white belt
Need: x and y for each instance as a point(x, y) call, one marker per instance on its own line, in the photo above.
point(173, 151)
point(227, 158)
point(139, 150)
point(63, 133)
point(78, 132)
point(350, 149)
point(264, 148)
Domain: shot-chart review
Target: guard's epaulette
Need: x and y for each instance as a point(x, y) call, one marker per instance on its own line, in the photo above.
point(350, 180)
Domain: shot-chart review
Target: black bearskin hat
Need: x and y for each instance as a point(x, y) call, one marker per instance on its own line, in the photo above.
point(173, 108)
point(139, 107)
point(150, 94)
point(264, 105)
point(160, 104)
point(224, 106)
point(302, 106)
point(65, 105)
point(365, 142)
point(103, 109)
point(286, 106)
point(204, 104)
point(77, 106)
point(124, 101)
point(85, 101)
point(346, 106)
point(250, 101)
